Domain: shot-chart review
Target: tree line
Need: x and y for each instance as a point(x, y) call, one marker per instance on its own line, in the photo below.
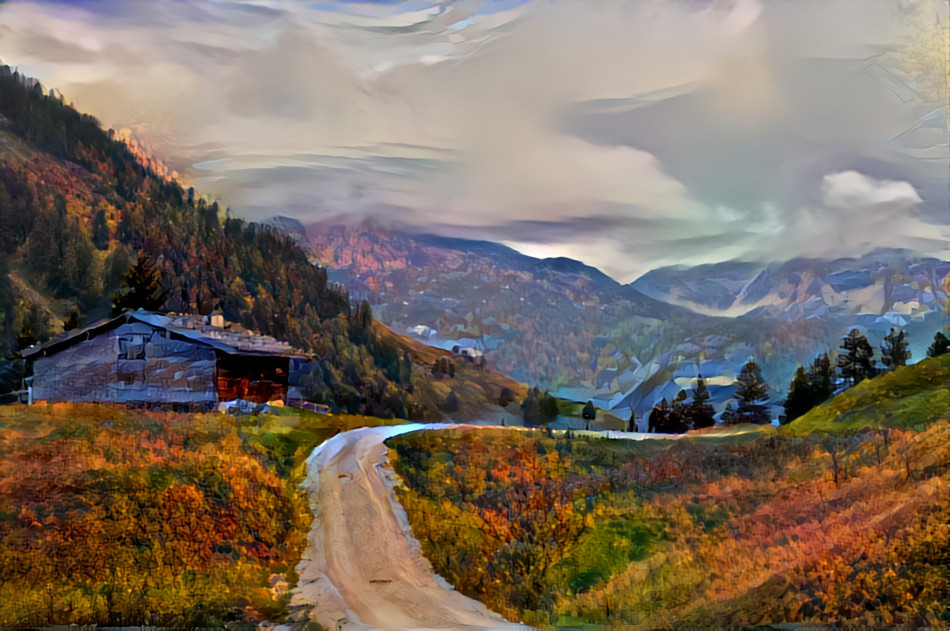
point(855, 361)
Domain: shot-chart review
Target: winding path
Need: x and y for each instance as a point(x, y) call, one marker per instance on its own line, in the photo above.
point(362, 568)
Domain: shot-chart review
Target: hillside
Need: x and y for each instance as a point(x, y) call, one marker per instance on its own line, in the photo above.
point(79, 209)
point(910, 397)
point(840, 517)
point(536, 320)
point(127, 518)
point(568, 327)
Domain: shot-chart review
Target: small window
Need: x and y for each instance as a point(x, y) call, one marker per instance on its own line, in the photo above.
point(133, 348)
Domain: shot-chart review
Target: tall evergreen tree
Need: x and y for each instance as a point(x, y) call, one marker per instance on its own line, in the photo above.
point(809, 389)
point(699, 413)
point(856, 361)
point(364, 316)
point(531, 407)
point(658, 416)
point(405, 371)
point(940, 346)
point(451, 403)
point(894, 351)
point(751, 392)
point(143, 289)
point(100, 231)
point(821, 380)
point(800, 398)
point(549, 407)
point(589, 413)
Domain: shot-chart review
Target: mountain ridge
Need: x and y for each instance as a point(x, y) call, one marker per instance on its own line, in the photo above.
point(634, 344)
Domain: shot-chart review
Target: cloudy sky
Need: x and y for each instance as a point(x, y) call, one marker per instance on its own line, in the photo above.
point(629, 134)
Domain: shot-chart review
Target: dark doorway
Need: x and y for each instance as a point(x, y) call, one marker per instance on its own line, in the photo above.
point(257, 378)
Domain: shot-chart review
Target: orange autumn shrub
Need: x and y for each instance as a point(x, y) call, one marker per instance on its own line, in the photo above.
point(120, 517)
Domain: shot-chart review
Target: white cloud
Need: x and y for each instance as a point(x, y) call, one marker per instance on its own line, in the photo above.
point(850, 189)
point(759, 121)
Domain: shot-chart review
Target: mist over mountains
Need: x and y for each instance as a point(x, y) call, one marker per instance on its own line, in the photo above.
point(572, 329)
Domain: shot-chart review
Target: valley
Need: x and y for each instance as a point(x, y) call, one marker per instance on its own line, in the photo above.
point(398, 429)
point(570, 328)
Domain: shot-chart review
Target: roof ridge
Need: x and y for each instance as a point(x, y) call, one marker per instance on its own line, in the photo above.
point(242, 341)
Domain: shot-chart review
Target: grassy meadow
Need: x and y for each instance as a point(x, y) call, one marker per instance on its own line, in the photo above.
point(841, 517)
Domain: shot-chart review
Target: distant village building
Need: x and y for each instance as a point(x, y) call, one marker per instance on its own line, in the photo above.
point(467, 352)
point(422, 331)
point(151, 359)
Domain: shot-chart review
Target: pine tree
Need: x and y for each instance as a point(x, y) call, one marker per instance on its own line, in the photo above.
point(658, 417)
point(821, 380)
point(800, 396)
point(144, 291)
point(676, 419)
point(451, 403)
point(940, 346)
point(549, 407)
point(589, 412)
point(856, 362)
point(751, 392)
point(699, 413)
point(364, 316)
point(405, 371)
point(894, 351)
point(531, 407)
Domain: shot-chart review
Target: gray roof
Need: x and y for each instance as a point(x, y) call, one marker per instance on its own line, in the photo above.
point(233, 339)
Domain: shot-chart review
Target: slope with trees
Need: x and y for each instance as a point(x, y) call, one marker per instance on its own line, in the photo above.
point(91, 230)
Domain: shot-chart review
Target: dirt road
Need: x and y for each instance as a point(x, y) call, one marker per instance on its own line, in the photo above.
point(363, 569)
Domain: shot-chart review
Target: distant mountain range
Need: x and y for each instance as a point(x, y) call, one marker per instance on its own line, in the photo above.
point(886, 282)
point(569, 327)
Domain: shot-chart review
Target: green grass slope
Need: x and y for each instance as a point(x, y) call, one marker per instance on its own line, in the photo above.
point(909, 397)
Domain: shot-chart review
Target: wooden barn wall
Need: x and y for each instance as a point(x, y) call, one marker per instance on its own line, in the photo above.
point(133, 363)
